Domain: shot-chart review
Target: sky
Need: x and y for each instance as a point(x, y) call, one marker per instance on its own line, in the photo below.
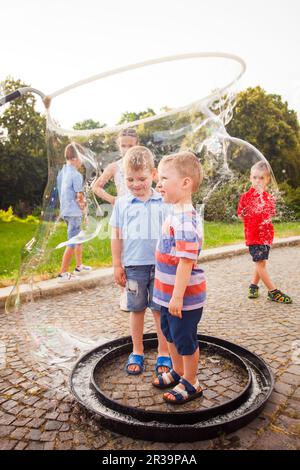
point(50, 45)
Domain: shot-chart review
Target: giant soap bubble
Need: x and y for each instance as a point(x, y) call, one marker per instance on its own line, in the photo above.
point(192, 96)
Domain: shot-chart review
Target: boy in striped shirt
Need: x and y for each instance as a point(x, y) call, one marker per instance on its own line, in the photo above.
point(179, 285)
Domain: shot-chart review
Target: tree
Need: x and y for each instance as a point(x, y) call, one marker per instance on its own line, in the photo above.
point(23, 152)
point(133, 116)
point(22, 182)
point(88, 124)
point(24, 127)
point(265, 121)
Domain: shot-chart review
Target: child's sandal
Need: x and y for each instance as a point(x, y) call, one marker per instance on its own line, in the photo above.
point(280, 297)
point(163, 361)
point(184, 395)
point(136, 360)
point(164, 380)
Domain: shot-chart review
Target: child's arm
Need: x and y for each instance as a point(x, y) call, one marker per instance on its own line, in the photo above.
point(116, 249)
point(99, 184)
point(81, 200)
point(241, 210)
point(183, 275)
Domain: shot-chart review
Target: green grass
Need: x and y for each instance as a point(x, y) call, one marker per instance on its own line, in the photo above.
point(220, 234)
point(14, 235)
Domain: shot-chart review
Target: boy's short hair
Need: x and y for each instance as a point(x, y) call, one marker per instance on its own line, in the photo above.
point(262, 166)
point(138, 158)
point(130, 132)
point(73, 151)
point(187, 165)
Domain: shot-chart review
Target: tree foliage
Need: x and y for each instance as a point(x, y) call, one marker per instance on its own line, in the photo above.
point(24, 127)
point(262, 119)
point(265, 121)
point(23, 154)
point(133, 116)
point(88, 124)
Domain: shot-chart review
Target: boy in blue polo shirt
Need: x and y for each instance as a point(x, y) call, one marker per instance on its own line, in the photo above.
point(72, 203)
point(136, 222)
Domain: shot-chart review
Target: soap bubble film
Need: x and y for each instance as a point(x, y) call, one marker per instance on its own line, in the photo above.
point(189, 101)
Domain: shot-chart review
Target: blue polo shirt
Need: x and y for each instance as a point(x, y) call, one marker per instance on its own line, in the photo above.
point(69, 182)
point(140, 223)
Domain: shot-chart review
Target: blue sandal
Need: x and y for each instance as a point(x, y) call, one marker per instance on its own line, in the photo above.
point(164, 380)
point(163, 361)
point(137, 360)
point(183, 396)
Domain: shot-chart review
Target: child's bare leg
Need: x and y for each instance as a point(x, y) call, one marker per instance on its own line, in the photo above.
point(190, 366)
point(66, 260)
point(162, 349)
point(256, 277)
point(136, 330)
point(262, 272)
point(78, 255)
point(177, 360)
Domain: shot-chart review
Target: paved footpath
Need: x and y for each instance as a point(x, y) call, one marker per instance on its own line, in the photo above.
point(38, 412)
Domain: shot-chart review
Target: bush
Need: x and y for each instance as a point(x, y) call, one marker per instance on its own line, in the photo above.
point(22, 182)
point(8, 216)
point(221, 205)
point(291, 199)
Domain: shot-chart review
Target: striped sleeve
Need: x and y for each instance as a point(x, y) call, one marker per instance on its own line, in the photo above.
point(186, 241)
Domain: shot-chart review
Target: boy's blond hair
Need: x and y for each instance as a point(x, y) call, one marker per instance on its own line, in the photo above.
point(261, 166)
point(187, 165)
point(138, 158)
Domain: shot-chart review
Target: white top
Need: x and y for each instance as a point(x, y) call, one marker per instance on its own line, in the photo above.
point(119, 179)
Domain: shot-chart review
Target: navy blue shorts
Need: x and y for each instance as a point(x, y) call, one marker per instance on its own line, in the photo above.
point(139, 288)
point(181, 331)
point(259, 252)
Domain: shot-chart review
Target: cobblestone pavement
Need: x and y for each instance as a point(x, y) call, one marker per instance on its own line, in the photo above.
point(221, 380)
point(38, 412)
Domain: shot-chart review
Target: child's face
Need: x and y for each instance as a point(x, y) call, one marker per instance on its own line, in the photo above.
point(259, 180)
point(139, 182)
point(76, 162)
point(125, 142)
point(170, 183)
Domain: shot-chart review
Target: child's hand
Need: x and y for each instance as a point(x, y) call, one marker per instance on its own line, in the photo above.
point(81, 201)
point(175, 306)
point(120, 276)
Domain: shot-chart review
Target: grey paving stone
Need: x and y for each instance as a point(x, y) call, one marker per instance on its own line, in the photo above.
point(265, 328)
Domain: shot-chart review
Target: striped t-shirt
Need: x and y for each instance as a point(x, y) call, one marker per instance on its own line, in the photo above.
point(181, 238)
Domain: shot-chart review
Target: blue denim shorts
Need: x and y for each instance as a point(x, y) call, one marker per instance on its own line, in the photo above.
point(181, 331)
point(259, 252)
point(74, 227)
point(139, 288)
